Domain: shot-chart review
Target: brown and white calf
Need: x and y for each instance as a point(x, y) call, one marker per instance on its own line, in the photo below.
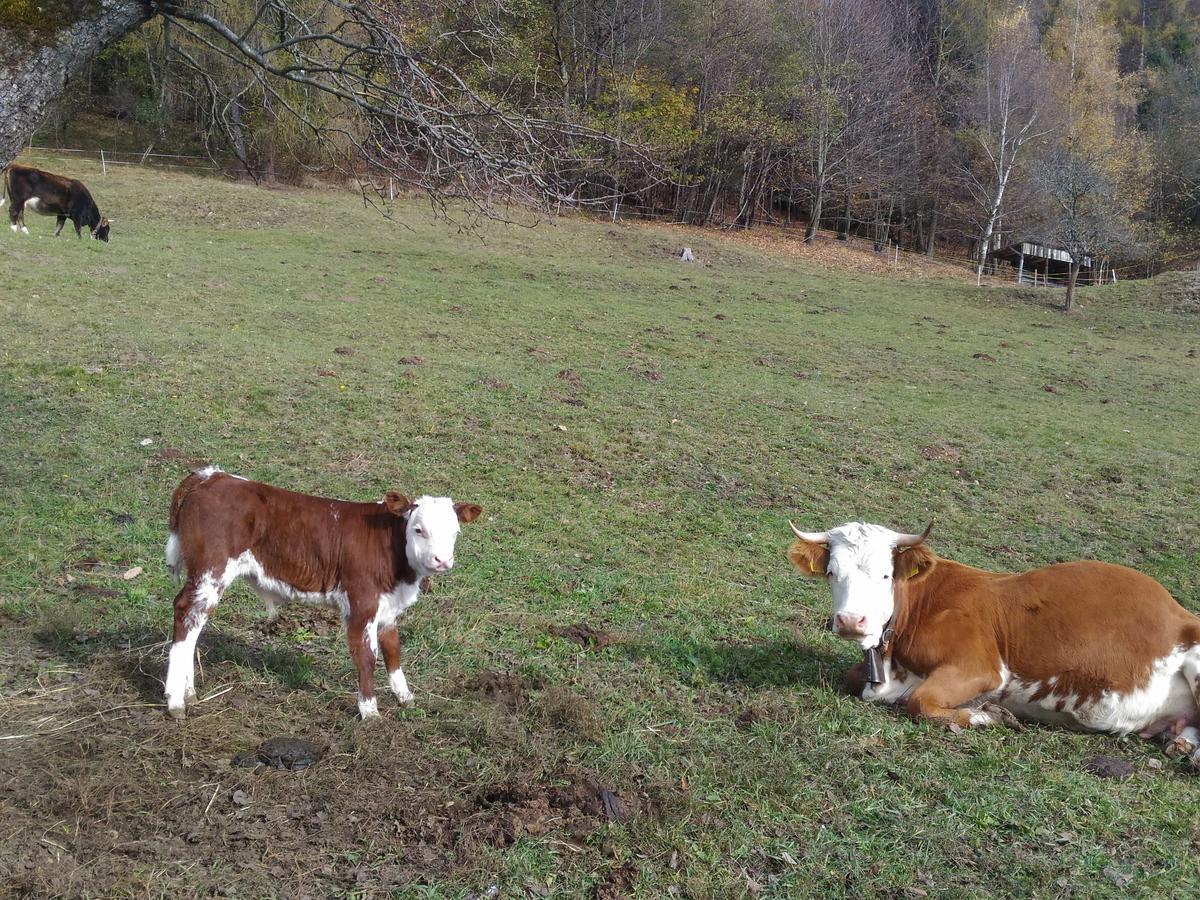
point(365, 559)
point(52, 195)
point(1086, 645)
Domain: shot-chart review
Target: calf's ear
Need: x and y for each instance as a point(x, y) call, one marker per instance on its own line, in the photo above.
point(812, 560)
point(397, 504)
point(913, 563)
point(467, 512)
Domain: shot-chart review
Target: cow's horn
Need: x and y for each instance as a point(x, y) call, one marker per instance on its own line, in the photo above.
point(911, 540)
point(813, 537)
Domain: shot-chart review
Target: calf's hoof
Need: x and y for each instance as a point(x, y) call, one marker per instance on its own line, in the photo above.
point(178, 713)
point(368, 709)
point(408, 701)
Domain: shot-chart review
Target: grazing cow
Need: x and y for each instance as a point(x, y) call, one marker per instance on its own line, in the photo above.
point(52, 195)
point(1086, 645)
point(365, 559)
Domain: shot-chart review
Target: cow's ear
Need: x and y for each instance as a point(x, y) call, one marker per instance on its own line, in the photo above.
point(913, 563)
point(396, 503)
point(812, 560)
point(468, 512)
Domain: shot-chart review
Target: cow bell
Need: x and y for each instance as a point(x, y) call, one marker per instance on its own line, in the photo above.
point(873, 666)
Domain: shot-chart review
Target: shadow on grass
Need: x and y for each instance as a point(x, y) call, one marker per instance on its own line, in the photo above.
point(291, 666)
point(770, 663)
point(140, 654)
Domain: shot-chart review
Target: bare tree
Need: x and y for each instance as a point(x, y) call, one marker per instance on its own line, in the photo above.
point(405, 114)
point(850, 94)
point(1086, 213)
point(1006, 115)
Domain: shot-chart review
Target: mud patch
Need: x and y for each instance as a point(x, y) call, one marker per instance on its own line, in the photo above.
point(940, 453)
point(571, 377)
point(1107, 767)
point(506, 691)
point(618, 883)
point(189, 461)
point(388, 808)
point(585, 635)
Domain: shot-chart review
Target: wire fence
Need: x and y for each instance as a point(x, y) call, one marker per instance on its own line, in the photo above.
point(1183, 260)
point(146, 158)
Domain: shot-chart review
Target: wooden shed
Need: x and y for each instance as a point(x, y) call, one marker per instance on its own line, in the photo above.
point(1043, 264)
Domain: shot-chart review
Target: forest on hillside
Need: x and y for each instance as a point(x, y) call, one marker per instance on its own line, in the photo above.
point(932, 124)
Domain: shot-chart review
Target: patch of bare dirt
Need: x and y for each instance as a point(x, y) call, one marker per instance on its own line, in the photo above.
point(188, 460)
point(495, 383)
point(643, 365)
point(571, 377)
point(941, 453)
point(618, 883)
point(585, 635)
point(1108, 767)
point(507, 691)
point(103, 795)
point(413, 360)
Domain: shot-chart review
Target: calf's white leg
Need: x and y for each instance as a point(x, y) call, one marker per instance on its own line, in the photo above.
point(192, 607)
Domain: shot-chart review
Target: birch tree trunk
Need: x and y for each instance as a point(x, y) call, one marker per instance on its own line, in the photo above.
point(37, 61)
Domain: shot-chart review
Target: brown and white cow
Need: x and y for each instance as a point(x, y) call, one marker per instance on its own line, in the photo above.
point(365, 559)
point(52, 195)
point(1086, 645)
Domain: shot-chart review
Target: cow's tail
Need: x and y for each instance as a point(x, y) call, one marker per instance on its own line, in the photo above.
point(4, 189)
point(174, 552)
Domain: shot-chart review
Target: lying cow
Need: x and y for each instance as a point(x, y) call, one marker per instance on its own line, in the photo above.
point(52, 195)
point(1087, 645)
point(365, 559)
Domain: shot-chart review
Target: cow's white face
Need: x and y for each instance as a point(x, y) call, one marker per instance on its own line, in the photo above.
point(860, 577)
point(432, 529)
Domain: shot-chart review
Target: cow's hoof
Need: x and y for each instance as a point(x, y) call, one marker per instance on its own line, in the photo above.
point(1180, 746)
point(1002, 715)
point(408, 701)
point(178, 713)
point(190, 699)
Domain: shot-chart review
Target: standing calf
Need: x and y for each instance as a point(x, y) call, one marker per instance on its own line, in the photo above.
point(365, 559)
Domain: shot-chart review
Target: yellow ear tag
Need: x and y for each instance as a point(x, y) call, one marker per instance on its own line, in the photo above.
point(913, 572)
point(812, 566)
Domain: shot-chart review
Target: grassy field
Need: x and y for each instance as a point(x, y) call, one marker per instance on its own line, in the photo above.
point(638, 431)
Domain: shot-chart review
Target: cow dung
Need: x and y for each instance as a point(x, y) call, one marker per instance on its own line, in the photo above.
point(1108, 767)
point(287, 753)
